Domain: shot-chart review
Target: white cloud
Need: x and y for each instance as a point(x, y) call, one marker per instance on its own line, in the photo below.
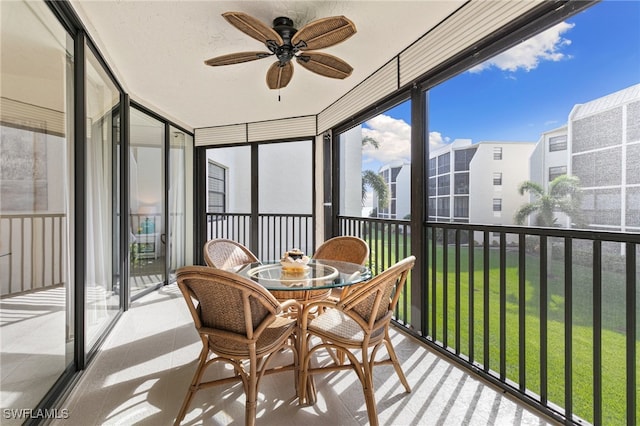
point(546, 46)
point(436, 140)
point(393, 136)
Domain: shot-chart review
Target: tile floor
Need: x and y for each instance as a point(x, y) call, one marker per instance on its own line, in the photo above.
point(144, 368)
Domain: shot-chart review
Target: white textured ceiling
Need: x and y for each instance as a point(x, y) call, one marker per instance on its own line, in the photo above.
point(157, 51)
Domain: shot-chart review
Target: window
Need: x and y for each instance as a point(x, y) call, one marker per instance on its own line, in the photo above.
point(497, 204)
point(433, 166)
point(216, 188)
point(558, 143)
point(461, 183)
point(444, 165)
point(461, 206)
point(463, 158)
point(394, 173)
point(444, 185)
point(432, 186)
point(497, 178)
point(443, 206)
point(497, 153)
point(554, 172)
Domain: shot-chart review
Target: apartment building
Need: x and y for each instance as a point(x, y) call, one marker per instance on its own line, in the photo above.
point(398, 179)
point(601, 145)
point(478, 183)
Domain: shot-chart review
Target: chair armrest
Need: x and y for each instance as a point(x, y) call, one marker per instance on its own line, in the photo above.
point(291, 303)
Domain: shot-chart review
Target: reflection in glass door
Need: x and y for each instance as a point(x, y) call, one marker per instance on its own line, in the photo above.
point(147, 236)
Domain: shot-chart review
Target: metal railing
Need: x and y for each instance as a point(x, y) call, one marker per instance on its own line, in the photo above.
point(389, 242)
point(549, 315)
point(33, 252)
point(277, 232)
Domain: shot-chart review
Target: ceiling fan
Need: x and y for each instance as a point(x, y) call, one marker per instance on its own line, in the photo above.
point(286, 42)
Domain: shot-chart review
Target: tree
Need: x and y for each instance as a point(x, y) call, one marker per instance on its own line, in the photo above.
point(371, 179)
point(564, 196)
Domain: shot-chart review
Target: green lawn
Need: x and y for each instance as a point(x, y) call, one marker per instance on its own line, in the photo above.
point(613, 320)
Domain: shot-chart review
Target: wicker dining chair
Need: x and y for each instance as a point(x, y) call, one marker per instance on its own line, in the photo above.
point(239, 324)
point(226, 254)
point(353, 326)
point(345, 249)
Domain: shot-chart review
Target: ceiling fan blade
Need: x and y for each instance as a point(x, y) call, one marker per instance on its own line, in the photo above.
point(279, 76)
point(252, 27)
point(325, 64)
point(324, 32)
point(236, 58)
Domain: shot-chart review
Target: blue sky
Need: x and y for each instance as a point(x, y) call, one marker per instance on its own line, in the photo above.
point(526, 90)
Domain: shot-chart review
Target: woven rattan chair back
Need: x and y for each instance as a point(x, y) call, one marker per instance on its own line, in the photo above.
point(226, 254)
point(345, 249)
point(223, 300)
point(238, 323)
point(376, 300)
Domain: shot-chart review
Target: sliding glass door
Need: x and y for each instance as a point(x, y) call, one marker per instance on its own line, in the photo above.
point(102, 294)
point(36, 201)
point(179, 238)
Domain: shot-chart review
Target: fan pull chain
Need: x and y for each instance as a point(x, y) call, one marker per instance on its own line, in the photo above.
point(278, 94)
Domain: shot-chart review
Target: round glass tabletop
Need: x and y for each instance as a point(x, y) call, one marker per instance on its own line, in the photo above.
point(318, 274)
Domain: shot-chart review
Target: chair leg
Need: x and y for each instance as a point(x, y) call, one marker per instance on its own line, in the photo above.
point(396, 364)
point(252, 392)
point(303, 366)
point(367, 387)
point(193, 387)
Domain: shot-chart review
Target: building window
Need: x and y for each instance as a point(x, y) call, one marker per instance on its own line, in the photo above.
point(432, 186)
point(558, 143)
point(461, 183)
point(444, 163)
point(444, 185)
point(443, 206)
point(461, 206)
point(497, 204)
point(497, 153)
point(497, 178)
point(433, 166)
point(462, 159)
point(554, 172)
point(216, 188)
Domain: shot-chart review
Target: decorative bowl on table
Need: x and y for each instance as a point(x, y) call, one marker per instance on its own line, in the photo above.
point(294, 262)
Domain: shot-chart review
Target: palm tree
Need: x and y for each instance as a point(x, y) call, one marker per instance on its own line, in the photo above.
point(564, 196)
point(371, 179)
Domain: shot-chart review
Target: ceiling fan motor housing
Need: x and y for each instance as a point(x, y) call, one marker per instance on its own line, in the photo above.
point(284, 27)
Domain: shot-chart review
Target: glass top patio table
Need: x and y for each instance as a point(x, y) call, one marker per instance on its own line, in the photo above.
point(319, 274)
